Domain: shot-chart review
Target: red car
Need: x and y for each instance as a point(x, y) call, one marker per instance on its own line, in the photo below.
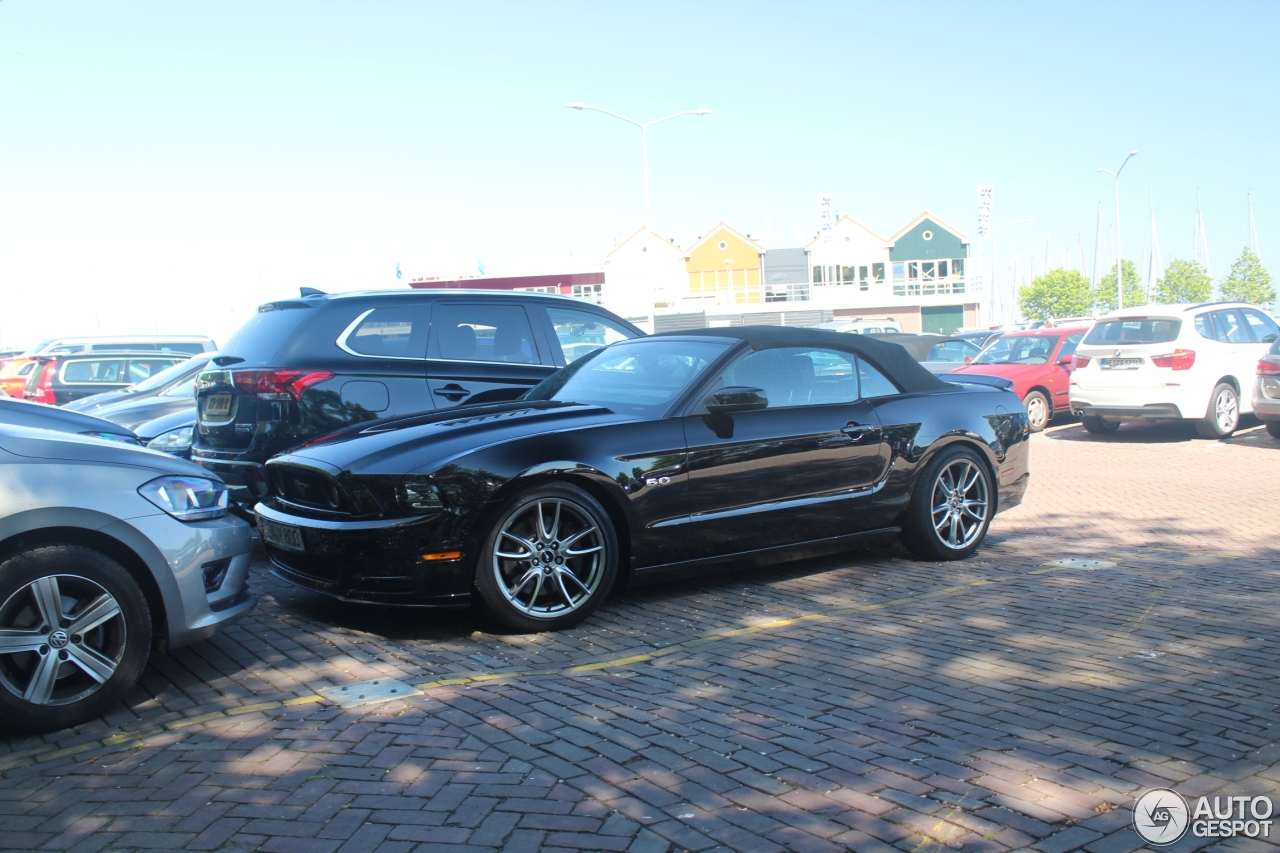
point(1038, 362)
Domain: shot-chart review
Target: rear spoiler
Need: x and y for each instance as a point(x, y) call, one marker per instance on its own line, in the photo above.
point(981, 379)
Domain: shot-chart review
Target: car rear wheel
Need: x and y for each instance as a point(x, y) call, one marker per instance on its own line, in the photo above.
point(549, 560)
point(1037, 406)
point(1099, 425)
point(75, 633)
point(1273, 427)
point(951, 507)
point(1223, 416)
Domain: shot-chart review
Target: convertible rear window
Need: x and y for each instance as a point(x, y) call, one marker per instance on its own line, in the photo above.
point(641, 378)
point(1134, 330)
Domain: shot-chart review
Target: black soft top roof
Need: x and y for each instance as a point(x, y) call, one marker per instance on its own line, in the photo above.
point(892, 359)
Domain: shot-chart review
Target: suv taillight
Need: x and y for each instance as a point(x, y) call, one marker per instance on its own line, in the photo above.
point(40, 385)
point(1268, 368)
point(1179, 359)
point(1079, 361)
point(278, 384)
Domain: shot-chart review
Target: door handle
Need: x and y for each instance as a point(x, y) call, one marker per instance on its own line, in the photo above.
point(453, 391)
point(858, 433)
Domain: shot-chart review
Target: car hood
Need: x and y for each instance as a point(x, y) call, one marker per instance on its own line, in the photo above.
point(425, 442)
point(135, 412)
point(148, 430)
point(25, 413)
point(57, 446)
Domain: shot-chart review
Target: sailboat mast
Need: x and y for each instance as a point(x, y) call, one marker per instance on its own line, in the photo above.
point(1253, 230)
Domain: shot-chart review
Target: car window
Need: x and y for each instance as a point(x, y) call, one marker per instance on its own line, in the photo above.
point(1204, 325)
point(640, 377)
point(1263, 327)
point(581, 332)
point(951, 351)
point(182, 389)
point(873, 383)
point(796, 376)
point(84, 372)
point(171, 374)
point(1231, 326)
point(1019, 349)
point(498, 333)
point(144, 368)
point(394, 332)
point(1070, 344)
point(1136, 330)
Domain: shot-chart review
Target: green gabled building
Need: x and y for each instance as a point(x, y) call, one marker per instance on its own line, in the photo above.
point(927, 261)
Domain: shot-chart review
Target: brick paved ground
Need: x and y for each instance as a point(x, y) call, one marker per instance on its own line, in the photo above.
point(868, 702)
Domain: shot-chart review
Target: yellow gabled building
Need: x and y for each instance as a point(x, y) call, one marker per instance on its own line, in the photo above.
point(724, 267)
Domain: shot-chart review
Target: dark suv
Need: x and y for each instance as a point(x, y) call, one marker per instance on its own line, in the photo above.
point(302, 368)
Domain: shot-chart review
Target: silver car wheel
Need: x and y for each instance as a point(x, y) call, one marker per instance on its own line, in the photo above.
point(1226, 409)
point(960, 503)
point(549, 558)
point(61, 638)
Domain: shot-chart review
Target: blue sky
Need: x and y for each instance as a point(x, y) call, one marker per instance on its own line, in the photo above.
point(166, 167)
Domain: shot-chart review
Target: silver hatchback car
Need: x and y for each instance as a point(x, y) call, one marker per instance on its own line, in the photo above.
point(106, 551)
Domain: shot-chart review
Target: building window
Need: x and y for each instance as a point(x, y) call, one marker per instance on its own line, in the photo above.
point(942, 269)
point(899, 276)
point(926, 270)
point(550, 288)
point(928, 235)
point(817, 275)
point(957, 267)
point(877, 272)
point(846, 275)
point(723, 245)
point(592, 293)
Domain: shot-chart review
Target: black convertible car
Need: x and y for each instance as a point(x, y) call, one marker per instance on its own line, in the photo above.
point(652, 458)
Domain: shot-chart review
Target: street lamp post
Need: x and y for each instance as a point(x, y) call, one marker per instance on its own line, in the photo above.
point(1119, 256)
point(644, 139)
point(995, 261)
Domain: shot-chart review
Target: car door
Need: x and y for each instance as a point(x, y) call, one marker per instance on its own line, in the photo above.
point(795, 471)
point(1060, 377)
point(1237, 352)
point(483, 352)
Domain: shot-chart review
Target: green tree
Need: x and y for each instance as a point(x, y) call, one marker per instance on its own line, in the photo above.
point(1184, 281)
point(1249, 280)
point(1104, 299)
point(1057, 293)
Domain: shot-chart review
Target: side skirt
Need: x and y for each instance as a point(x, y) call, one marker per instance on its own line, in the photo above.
point(764, 557)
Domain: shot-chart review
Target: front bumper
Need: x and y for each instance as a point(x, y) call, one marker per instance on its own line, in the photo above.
point(224, 547)
point(246, 481)
point(373, 561)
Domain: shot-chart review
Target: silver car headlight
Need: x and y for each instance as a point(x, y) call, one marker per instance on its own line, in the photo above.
point(187, 498)
point(173, 441)
point(113, 436)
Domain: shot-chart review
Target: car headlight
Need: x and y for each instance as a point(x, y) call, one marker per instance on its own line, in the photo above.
point(113, 436)
point(415, 496)
point(187, 498)
point(173, 441)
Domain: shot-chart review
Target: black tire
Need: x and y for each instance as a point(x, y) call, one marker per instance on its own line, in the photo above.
point(1273, 427)
point(1222, 417)
point(920, 525)
point(572, 574)
point(1039, 411)
point(1099, 425)
point(97, 666)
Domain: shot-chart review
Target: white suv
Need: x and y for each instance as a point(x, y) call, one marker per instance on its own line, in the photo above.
point(1171, 361)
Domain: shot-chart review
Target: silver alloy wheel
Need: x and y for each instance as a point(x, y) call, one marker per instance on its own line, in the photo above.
point(960, 503)
point(1226, 410)
point(1037, 411)
point(61, 638)
point(549, 558)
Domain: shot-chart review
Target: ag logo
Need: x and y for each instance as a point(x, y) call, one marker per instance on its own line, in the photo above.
point(1160, 816)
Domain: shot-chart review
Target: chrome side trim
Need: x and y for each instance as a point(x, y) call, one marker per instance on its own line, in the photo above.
point(773, 505)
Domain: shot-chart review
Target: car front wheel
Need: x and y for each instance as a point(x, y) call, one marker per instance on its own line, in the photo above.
point(1223, 415)
point(549, 560)
point(951, 506)
point(75, 633)
point(1273, 427)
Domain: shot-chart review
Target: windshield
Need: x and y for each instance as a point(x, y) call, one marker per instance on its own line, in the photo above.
point(641, 377)
point(1018, 349)
point(1137, 330)
point(169, 374)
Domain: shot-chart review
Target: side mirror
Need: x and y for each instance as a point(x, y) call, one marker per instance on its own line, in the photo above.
point(1269, 339)
point(1067, 361)
point(736, 399)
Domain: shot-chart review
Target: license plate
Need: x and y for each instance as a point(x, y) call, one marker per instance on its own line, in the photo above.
point(1121, 363)
point(281, 535)
point(217, 404)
